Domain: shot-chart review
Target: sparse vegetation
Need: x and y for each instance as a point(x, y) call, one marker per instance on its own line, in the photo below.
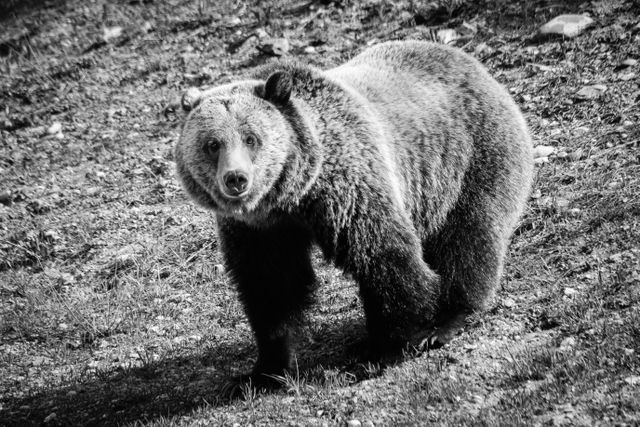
point(113, 306)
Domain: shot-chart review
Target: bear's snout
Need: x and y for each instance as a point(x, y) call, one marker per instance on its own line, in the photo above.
point(235, 182)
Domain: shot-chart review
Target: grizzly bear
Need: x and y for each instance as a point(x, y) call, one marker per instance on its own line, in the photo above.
point(408, 166)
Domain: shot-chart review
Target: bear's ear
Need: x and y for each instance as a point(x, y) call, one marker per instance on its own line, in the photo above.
point(277, 89)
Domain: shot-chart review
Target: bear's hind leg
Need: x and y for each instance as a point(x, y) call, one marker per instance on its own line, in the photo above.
point(272, 269)
point(468, 254)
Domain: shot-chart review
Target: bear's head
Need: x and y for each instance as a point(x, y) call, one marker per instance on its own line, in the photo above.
point(237, 144)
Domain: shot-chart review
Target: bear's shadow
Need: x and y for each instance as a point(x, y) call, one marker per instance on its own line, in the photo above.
point(180, 385)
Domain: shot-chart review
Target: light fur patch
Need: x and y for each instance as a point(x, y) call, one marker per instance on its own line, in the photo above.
point(392, 171)
point(381, 136)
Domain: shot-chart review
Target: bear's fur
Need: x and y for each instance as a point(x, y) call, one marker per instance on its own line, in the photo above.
point(408, 166)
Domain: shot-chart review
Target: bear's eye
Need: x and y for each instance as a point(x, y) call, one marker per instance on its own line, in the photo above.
point(251, 140)
point(212, 147)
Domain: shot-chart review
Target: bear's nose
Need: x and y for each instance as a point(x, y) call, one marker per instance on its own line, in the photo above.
point(236, 182)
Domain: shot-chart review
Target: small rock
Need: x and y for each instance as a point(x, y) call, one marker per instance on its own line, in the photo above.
point(567, 343)
point(51, 417)
point(540, 160)
point(447, 35)
point(632, 380)
point(591, 92)
point(570, 292)
point(354, 423)
point(109, 33)
point(63, 326)
point(562, 155)
point(568, 25)
point(275, 47)
point(581, 130)
point(627, 76)
point(5, 198)
point(190, 98)
point(54, 129)
point(540, 151)
point(309, 50)
point(629, 62)
point(92, 191)
point(508, 303)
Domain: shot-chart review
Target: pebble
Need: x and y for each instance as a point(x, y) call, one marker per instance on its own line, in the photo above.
point(570, 292)
point(580, 130)
point(508, 303)
point(568, 343)
point(627, 76)
point(5, 198)
point(275, 47)
point(55, 128)
point(540, 151)
point(568, 25)
point(629, 62)
point(540, 160)
point(109, 33)
point(190, 98)
point(591, 92)
point(632, 380)
point(354, 423)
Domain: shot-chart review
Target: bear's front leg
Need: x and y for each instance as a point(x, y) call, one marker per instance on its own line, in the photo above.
point(271, 267)
point(400, 292)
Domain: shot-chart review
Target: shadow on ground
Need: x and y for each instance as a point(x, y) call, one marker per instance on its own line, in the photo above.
point(177, 385)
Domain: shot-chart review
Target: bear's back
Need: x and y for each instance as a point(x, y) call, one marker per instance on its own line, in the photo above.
point(444, 118)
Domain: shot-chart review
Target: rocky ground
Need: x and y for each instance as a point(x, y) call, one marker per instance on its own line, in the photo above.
point(114, 308)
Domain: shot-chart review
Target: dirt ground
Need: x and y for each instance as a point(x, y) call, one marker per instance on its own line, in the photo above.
point(114, 306)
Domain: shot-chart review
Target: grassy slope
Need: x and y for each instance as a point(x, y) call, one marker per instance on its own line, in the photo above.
point(113, 308)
